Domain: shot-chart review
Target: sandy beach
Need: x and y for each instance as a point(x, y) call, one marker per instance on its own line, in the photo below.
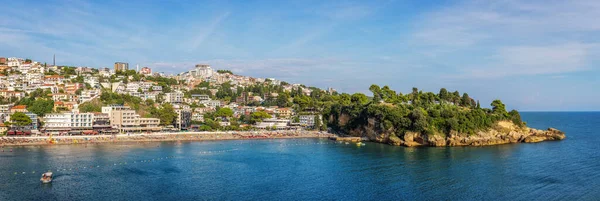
point(157, 137)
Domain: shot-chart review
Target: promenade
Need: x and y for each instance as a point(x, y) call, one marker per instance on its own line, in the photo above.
point(157, 137)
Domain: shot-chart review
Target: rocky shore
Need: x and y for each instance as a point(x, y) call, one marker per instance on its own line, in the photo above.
point(157, 137)
point(503, 133)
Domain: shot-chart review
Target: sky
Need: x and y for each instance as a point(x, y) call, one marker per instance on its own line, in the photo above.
point(534, 55)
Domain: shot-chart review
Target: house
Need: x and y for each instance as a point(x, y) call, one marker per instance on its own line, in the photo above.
point(53, 79)
point(212, 103)
point(11, 94)
point(19, 108)
point(196, 116)
point(65, 106)
point(283, 112)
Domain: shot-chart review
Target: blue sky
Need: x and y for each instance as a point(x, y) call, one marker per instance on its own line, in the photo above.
point(534, 55)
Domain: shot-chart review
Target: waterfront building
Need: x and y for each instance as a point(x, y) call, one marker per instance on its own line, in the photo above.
point(184, 116)
point(308, 120)
point(68, 121)
point(34, 121)
point(125, 119)
point(273, 123)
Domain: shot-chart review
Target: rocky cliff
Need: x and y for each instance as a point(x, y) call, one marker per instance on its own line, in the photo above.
point(503, 133)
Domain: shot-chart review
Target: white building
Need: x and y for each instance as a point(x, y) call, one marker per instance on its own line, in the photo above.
point(174, 97)
point(14, 62)
point(68, 121)
point(132, 87)
point(201, 97)
point(201, 71)
point(279, 124)
point(92, 81)
point(308, 120)
point(212, 103)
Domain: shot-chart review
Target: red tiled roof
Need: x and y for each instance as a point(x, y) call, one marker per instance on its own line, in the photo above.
point(19, 107)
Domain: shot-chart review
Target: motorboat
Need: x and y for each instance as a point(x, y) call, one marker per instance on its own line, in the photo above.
point(46, 177)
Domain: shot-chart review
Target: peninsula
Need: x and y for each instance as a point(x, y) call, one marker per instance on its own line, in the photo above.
point(429, 119)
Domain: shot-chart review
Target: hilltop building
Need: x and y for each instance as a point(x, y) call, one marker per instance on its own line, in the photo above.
point(121, 66)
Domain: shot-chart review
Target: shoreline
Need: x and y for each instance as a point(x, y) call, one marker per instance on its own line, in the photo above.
point(158, 137)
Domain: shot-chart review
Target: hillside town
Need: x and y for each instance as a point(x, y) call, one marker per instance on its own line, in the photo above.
point(47, 99)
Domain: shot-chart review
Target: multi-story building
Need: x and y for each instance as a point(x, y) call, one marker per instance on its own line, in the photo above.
point(211, 103)
point(34, 121)
point(68, 121)
point(283, 112)
point(53, 79)
point(132, 87)
point(201, 97)
point(201, 71)
point(150, 124)
point(5, 108)
point(101, 122)
point(146, 71)
point(125, 119)
point(14, 62)
point(104, 72)
point(196, 116)
point(184, 117)
point(174, 97)
point(308, 120)
point(121, 66)
point(92, 81)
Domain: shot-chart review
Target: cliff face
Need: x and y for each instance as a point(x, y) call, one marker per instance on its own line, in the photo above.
point(503, 133)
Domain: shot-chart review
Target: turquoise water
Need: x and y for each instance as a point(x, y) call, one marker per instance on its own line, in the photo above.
point(313, 169)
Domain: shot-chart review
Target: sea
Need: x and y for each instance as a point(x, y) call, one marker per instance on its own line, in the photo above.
point(314, 169)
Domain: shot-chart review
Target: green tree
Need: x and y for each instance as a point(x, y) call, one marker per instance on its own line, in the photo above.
point(443, 95)
point(466, 100)
point(376, 93)
point(498, 107)
point(224, 112)
point(167, 114)
point(90, 107)
point(359, 98)
point(20, 119)
point(259, 116)
point(41, 106)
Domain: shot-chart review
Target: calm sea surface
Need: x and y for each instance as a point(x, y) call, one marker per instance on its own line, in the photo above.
point(313, 169)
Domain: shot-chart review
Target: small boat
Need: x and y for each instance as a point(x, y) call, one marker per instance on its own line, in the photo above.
point(358, 144)
point(46, 178)
point(362, 144)
point(347, 143)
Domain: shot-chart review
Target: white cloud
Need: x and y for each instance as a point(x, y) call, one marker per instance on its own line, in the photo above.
point(532, 60)
point(502, 38)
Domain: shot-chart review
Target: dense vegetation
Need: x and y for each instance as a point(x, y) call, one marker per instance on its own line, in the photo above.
point(418, 111)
